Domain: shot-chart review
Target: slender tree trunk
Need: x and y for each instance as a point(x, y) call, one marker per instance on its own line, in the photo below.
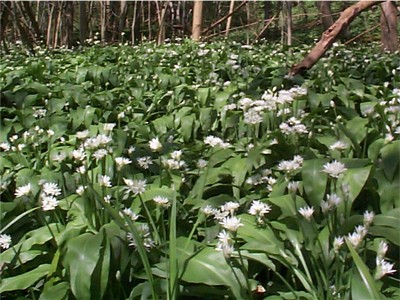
point(197, 19)
point(5, 12)
point(161, 25)
point(324, 8)
point(133, 27)
point(330, 35)
point(229, 20)
point(389, 35)
point(68, 28)
point(122, 17)
point(83, 22)
point(103, 21)
point(289, 23)
point(28, 11)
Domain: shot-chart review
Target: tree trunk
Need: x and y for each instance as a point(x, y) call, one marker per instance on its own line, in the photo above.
point(330, 35)
point(289, 23)
point(229, 20)
point(122, 18)
point(32, 19)
point(161, 28)
point(68, 19)
point(389, 36)
point(5, 12)
point(197, 19)
point(324, 8)
point(103, 21)
point(83, 22)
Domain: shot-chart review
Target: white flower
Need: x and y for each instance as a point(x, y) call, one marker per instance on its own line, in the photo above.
point(212, 141)
point(361, 230)
point(368, 218)
point(5, 146)
point(79, 154)
point(201, 163)
point(49, 202)
point(155, 145)
point(252, 117)
point(293, 186)
point(144, 162)
point(81, 170)
point(99, 154)
point(382, 249)
point(334, 169)
point(177, 154)
point(231, 223)
point(382, 268)
point(325, 206)
point(337, 243)
point(122, 161)
point(339, 145)
point(259, 208)
point(50, 132)
point(208, 210)
point(230, 206)
point(5, 241)
point(307, 212)
point(225, 243)
point(80, 190)
point(108, 126)
point(59, 157)
point(333, 199)
point(121, 115)
point(23, 190)
point(82, 134)
point(105, 180)
point(128, 212)
point(162, 201)
point(135, 186)
point(355, 239)
point(51, 188)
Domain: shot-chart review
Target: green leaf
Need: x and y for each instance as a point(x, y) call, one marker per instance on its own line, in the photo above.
point(208, 266)
point(366, 278)
point(355, 179)
point(81, 257)
point(287, 205)
point(258, 238)
point(314, 180)
point(25, 280)
point(55, 292)
point(391, 159)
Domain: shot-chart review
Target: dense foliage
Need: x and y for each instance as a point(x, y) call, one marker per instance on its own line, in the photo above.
point(199, 171)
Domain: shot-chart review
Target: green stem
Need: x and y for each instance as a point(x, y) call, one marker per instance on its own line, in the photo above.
point(155, 234)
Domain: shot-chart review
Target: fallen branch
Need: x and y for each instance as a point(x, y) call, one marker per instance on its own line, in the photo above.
point(224, 18)
point(330, 35)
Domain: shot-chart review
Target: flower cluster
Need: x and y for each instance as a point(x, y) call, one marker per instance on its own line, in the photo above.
point(48, 195)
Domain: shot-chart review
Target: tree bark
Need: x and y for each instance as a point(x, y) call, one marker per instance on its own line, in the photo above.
point(389, 35)
point(68, 20)
point(5, 12)
point(83, 22)
point(229, 20)
point(324, 8)
point(197, 19)
point(330, 35)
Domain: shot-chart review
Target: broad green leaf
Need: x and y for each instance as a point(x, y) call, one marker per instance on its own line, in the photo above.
point(258, 238)
point(208, 266)
point(80, 259)
point(366, 278)
point(391, 159)
point(314, 180)
point(25, 280)
point(55, 292)
point(287, 206)
point(355, 179)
